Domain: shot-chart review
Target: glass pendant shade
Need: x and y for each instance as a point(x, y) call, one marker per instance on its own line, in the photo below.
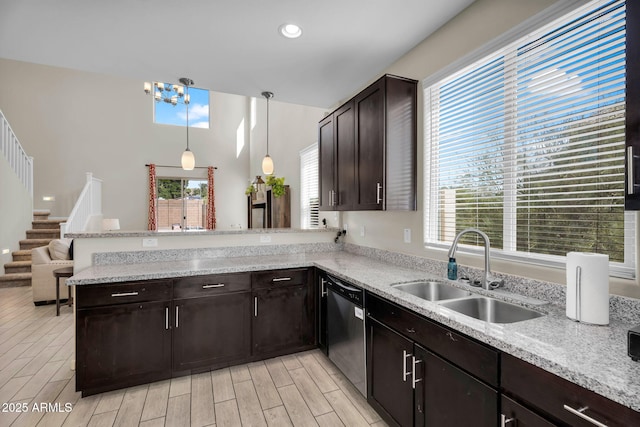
point(267, 165)
point(188, 160)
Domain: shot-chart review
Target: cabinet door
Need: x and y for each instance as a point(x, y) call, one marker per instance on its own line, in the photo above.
point(388, 363)
point(283, 319)
point(326, 147)
point(211, 331)
point(448, 396)
point(122, 345)
point(632, 120)
point(343, 122)
point(370, 140)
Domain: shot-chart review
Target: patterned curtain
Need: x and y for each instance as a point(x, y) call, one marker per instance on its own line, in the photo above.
point(211, 204)
point(153, 225)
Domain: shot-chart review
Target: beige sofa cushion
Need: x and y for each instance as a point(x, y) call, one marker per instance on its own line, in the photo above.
point(59, 249)
point(42, 281)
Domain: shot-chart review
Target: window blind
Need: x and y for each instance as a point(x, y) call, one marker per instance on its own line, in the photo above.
point(309, 199)
point(527, 144)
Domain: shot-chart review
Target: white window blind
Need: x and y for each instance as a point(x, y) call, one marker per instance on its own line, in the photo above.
point(309, 200)
point(527, 144)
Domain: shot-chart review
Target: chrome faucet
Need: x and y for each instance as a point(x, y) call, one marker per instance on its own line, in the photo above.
point(488, 281)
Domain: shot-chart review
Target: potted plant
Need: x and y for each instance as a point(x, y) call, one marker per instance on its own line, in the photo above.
point(277, 185)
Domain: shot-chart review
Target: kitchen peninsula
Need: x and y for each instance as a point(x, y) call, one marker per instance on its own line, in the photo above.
point(593, 358)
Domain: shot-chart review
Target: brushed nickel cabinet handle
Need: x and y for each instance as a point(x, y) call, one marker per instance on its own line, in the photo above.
point(218, 285)
point(378, 191)
point(504, 420)
point(255, 306)
point(630, 177)
point(405, 374)
point(177, 312)
point(323, 292)
point(166, 318)
point(125, 294)
point(281, 279)
point(580, 413)
point(414, 363)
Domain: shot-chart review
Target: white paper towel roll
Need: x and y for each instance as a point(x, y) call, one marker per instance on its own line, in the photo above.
point(588, 287)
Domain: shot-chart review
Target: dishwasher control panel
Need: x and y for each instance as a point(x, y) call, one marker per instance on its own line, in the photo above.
point(347, 290)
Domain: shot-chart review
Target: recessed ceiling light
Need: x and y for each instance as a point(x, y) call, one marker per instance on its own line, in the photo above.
point(290, 31)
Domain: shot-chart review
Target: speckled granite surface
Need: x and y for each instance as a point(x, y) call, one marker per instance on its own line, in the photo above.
point(592, 356)
point(147, 233)
point(163, 255)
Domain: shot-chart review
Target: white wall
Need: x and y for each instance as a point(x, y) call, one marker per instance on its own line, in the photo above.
point(291, 128)
point(477, 25)
point(16, 211)
point(73, 122)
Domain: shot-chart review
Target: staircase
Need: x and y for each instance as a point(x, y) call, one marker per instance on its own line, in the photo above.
point(18, 272)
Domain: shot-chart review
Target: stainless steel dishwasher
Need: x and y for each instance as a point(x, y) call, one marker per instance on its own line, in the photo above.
point(345, 330)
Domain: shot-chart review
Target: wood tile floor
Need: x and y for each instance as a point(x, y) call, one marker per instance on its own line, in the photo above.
point(36, 350)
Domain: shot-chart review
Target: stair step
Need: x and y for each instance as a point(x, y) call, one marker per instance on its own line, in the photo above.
point(48, 233)
point(22, 255)
point(48, 224)
point(15, 280)
point(33, 243)
point(41, 213)
point(17, 267)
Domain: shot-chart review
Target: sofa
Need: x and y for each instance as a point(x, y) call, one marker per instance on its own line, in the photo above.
point(44, 260)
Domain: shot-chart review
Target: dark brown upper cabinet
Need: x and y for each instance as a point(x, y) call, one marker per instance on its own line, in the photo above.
point(632, 155)
point(337, 159)
point(368, 149)
point(386, 145)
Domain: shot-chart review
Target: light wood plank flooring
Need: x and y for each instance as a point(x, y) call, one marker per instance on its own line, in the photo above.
point(36, 382)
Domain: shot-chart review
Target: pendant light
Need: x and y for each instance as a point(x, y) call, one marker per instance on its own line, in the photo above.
point(188, 160)
point(267, 162)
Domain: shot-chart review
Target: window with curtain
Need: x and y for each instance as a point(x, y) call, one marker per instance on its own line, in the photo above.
point(527, 144)
point(309, 199)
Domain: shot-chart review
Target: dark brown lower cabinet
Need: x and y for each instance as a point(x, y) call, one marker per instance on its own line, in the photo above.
point(411, 386)
point(283, 319)
point(389, 392)
point(445, 395)
point(211, 331)
point(557, 400)
point(122, 345)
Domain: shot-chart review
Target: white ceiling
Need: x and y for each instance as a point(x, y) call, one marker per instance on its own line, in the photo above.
point(230, 46)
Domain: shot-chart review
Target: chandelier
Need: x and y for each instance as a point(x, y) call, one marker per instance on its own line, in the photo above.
point(175, 94)
point(169, 93)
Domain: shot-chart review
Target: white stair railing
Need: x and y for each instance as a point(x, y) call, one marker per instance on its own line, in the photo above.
point(21, 164)
point(88, 205)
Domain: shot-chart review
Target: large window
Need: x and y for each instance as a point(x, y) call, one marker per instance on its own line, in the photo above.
point(182, 204)
point(168, 114)
point(528, 145)
point(309, 200)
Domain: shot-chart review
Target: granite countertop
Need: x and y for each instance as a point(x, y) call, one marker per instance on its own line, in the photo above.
point(177, 233)
point(594, 357)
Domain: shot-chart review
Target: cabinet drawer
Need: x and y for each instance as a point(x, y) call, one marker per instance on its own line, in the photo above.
point(122, 293)
point(213, 284)
point(472, 356)
point(268, 279)
point(550, 393)
point(520, 415)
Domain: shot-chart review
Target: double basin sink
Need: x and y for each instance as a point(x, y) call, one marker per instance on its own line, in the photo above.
point(479, 307)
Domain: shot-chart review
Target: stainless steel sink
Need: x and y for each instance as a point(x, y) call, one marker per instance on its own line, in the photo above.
point(432, 290)
point(491, 310)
